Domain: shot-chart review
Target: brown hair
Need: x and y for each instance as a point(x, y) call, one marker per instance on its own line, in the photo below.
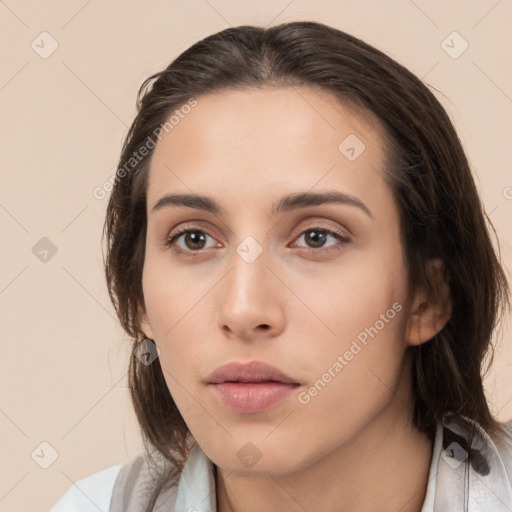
point(441, 213)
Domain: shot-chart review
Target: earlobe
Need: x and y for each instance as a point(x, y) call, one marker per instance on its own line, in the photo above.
point(428, 318)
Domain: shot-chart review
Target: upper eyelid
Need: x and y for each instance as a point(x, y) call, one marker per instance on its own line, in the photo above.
point(306, 223)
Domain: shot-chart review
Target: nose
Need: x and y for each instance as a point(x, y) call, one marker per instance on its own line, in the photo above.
point(251, 299)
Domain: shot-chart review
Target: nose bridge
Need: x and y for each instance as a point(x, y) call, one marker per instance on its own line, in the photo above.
point(250, 259)
point(248, 294)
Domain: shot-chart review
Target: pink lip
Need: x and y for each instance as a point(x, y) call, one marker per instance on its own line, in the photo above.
point(255, 371)
point(250, 387)
point(251, 397)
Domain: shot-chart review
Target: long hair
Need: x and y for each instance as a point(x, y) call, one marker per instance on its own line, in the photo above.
point(441, 213)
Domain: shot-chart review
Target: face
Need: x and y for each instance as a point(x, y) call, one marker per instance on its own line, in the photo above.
point(317, 289)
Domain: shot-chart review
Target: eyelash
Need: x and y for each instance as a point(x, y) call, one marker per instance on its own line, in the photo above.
point(170, 242)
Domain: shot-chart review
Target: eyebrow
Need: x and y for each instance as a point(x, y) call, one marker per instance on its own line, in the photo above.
point(285, 204)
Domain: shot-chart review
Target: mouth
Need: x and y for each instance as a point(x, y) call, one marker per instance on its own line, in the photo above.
point(250, 387)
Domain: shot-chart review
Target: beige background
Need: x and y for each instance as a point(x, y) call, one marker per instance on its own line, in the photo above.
point(63, 356)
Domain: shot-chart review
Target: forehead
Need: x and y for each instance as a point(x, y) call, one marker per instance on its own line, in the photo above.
point(254, 115)
point(259, 140)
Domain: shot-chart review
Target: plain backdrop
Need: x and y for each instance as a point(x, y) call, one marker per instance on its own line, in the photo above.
point(69, 76)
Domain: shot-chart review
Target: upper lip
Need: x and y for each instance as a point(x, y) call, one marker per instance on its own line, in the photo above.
point(255, 371)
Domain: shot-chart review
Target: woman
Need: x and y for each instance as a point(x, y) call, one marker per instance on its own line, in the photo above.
point(296, 246)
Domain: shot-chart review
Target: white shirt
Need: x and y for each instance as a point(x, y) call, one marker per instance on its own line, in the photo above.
point(91, 493)
point(490, 479)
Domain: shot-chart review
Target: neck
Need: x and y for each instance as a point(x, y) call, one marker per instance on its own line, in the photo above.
point(385, 467)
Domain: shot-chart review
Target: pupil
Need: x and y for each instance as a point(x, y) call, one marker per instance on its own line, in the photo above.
point(195, 238)
point(316, 235)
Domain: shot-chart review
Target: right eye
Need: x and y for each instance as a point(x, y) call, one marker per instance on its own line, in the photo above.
point(194, 239)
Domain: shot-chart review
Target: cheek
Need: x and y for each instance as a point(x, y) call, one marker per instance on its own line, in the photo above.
point(359, 342)
point(172, 293)
point(354, 295)
point(176, 300)
point(354, 374)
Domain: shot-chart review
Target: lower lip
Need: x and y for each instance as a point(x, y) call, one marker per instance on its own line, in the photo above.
point(252, 396)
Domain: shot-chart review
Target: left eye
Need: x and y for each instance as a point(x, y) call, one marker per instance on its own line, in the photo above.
point(319, 236)
point(195, 239)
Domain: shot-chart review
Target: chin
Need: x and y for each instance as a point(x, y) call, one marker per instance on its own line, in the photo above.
point(257, 459)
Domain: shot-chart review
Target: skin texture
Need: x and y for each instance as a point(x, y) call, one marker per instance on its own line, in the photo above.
point(298, 306)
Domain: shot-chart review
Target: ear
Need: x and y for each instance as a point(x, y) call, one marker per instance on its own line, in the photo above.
point(427, 319)
point(145, 325)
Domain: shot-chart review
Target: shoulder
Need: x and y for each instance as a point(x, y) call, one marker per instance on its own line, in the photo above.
point(141, 480)
point(152, 482)
point(92, 493)
point(503, 442)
